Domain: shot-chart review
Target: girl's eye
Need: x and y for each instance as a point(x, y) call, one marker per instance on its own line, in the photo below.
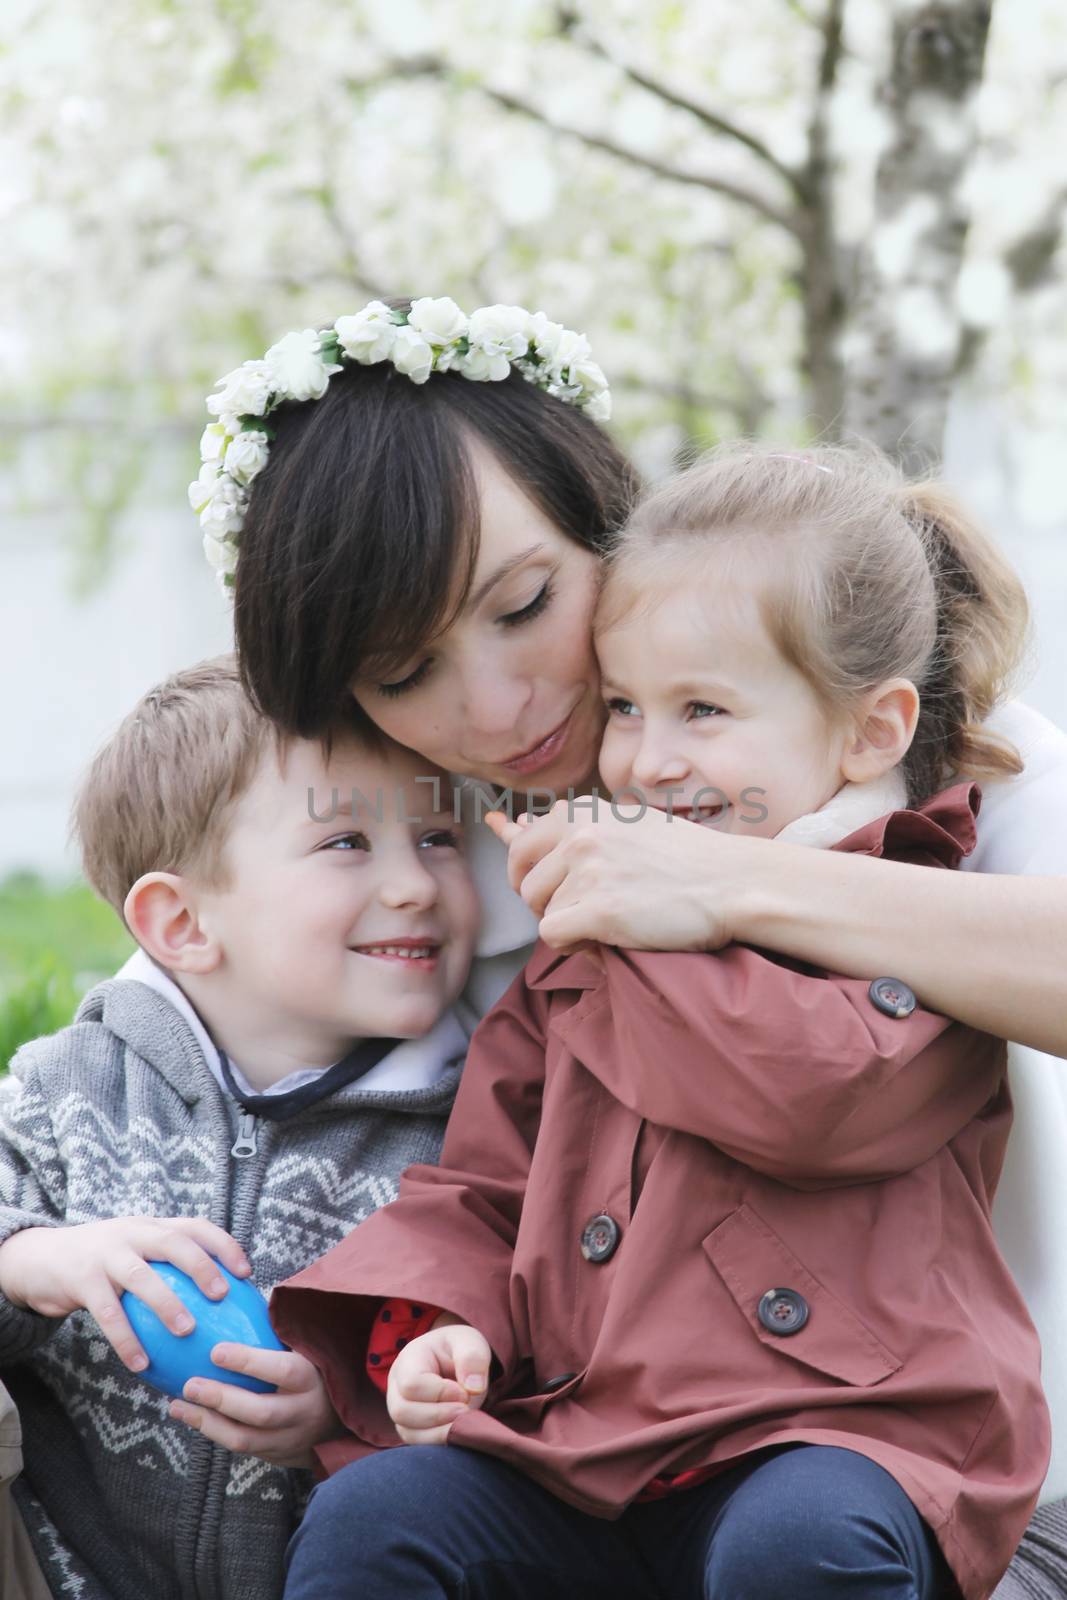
point(442, 838)
point(412, 680)
point(701, 709)
point(347, 841)
point(622, 708)
point(540, 600)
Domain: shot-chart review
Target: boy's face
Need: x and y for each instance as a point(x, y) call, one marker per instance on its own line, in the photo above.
point(349, 927)
point(700, 699)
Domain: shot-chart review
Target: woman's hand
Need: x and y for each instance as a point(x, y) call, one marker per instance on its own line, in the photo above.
point(657, 882)
point(435, 1378)
point(281, 1427)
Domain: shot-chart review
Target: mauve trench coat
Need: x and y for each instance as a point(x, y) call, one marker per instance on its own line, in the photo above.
point(750, 1123)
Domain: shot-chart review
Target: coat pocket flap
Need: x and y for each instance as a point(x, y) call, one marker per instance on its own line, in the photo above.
point(751, 1259)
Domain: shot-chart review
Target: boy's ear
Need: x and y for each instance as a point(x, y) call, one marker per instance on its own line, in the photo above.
point(161, 913)
point(882, 730)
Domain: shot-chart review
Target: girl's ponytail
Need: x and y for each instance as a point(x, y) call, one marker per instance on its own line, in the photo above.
point(983, 622)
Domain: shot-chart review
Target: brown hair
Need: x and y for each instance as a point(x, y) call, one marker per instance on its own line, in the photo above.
point(362, 530)
point(870, 577)
point(159, 795)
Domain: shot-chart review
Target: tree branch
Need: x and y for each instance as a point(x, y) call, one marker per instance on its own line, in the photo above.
point(435, 67)
point(661, 169)
point(712, 120)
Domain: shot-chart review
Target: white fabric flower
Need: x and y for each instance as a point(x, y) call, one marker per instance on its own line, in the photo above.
point(411, 355)
point(501, 328)
point(545, 336)
point(599, 407)
point(440, 322)
point(367, 337)
point(247, 455)
point(213, 442)
point(222, 554)
point(245, 392)
point(297, 370)
point(203, 487)
point(572, 350)
point(225, 511)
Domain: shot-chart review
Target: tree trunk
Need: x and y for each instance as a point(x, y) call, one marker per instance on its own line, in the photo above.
point(903, 337)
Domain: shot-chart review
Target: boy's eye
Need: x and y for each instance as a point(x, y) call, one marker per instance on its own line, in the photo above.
point(347, 841)
point(442, 838)
point(412, 681)
point(622, 708)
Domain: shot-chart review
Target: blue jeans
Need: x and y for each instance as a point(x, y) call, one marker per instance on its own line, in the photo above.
point(805, 1522)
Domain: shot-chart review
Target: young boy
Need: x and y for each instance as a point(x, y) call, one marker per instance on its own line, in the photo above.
point(248, 1089)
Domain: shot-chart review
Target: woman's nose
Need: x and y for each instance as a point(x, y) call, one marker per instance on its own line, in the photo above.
point(493, 705)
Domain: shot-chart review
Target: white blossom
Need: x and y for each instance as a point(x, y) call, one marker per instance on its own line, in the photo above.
point(221, 554)
point(213, 441)
point(225, 511)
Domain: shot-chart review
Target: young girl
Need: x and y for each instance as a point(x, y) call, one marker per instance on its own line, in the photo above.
point(706, 1285)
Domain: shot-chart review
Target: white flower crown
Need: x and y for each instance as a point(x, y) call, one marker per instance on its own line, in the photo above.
point(434, 336)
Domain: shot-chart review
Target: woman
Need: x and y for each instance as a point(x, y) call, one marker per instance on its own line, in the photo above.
point(432, 548)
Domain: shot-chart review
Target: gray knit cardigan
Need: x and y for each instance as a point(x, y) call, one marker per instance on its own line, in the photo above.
point(120, 1115)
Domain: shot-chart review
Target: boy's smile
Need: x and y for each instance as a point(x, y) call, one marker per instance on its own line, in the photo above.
point(348, 911)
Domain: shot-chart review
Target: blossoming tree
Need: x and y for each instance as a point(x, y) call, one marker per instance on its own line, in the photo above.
point(822, 215)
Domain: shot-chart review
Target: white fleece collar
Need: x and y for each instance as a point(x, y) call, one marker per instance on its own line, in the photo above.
point(852, 807)
point(414, 1064)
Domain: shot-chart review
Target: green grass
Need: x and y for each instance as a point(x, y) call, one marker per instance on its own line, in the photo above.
point(56, 941)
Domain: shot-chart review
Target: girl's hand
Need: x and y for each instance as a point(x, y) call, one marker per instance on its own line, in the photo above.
point(280, 1428)
point(659, 882)
point(435, 1379)
point(59, 1270)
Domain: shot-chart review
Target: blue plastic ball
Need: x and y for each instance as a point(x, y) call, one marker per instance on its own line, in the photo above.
point(240, 1317)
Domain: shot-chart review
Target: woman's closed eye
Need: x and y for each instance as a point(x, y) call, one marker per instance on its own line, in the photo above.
point(510, 619)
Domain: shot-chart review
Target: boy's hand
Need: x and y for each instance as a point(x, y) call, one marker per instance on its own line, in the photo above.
point(59, 1270)
point(281, 1427)
point(435, 1378)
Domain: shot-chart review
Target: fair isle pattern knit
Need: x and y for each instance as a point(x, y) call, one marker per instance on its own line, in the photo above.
point(120, 1115)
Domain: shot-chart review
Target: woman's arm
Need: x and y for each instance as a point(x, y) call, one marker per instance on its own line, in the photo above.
point(988, 950)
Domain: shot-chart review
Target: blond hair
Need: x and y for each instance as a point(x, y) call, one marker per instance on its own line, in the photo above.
point(159, 795)
point(867, 577)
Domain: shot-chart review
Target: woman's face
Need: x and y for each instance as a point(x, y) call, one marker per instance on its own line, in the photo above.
point(510, 691)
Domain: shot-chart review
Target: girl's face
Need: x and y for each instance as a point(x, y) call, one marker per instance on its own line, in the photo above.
point(509, 691)
point(704, 714)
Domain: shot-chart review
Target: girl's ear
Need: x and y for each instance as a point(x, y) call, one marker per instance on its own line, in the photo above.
point(882, 730)
point(161, 913)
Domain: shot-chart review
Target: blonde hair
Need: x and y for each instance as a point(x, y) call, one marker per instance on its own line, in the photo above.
point(868, 577)
point(159, 796)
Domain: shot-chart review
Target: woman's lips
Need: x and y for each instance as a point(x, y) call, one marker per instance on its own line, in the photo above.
point(541, 754)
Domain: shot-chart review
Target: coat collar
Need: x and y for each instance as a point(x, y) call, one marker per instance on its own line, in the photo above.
point(939, 833)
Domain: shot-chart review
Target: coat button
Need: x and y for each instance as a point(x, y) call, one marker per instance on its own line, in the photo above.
point(892, 997)
point(600, 1238)
point(783, 1311)
point(557, 1383)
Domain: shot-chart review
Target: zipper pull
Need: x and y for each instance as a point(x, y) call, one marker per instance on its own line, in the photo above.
point(245, 1143)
